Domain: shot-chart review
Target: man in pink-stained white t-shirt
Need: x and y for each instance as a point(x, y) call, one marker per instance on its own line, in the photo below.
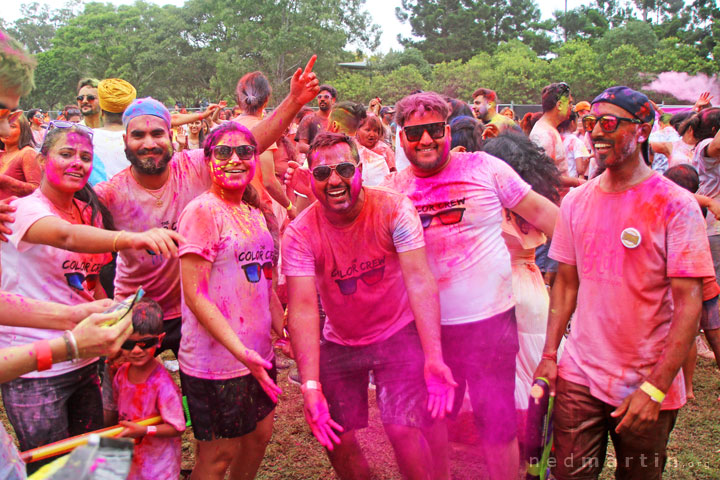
point(633, 252)
point(362, 249)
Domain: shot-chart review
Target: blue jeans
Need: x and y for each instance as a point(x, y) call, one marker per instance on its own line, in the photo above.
point(45, 410)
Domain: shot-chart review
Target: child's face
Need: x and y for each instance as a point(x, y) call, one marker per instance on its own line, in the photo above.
point(139, 348)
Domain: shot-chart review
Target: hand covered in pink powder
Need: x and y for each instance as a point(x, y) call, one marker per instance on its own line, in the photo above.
point(304, 85)
point(258, 368)
point(441, 388)
point(6, 216)
point(80, 312)
point(158, 240)
point(298, 178)
point(704, 101)
point(132, 430)
point(317, 415)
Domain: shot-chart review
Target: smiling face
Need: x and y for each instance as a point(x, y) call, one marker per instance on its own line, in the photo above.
point(368, 136)
point(336, 193)
point(13, 137)
point(232, 173)
point(426, 154)
point(195, 127)
point(68, 163)
point(86, 105)
point(614, 150)
point(147, 144)
point(138, 356)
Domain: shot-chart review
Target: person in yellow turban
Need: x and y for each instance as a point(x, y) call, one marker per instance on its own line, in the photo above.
point(115, 95)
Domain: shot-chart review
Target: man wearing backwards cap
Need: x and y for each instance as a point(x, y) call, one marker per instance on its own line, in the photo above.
point(634, 281)
point(115, 95)
point(158, 185)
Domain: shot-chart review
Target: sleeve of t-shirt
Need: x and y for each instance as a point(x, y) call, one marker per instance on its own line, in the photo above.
point(169, 403)
point(197, 223)
point(297, 256)
point(702, 159)
point(688, 248)
point(510, 187)
point(407, 230)
point(562, 247)
point(30, 209)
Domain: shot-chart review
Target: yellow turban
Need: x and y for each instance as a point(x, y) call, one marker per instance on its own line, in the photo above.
point(115, 94)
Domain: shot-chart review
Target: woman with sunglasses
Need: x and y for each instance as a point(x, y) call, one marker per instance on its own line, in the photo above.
point(55, 253)
point(20, 171)
point(228, 306)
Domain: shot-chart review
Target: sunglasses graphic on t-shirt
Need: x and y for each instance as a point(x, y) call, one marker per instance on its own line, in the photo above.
point(252, 271)
point(77, 279)
point(446, 217)
point(348, 286)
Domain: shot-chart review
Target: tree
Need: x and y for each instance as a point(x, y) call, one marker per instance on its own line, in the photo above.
point(399, 83)
point(38, 24)
point(451, 29)
point(578, 65)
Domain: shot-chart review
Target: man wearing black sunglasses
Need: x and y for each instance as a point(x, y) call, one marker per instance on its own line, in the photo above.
point(362, 249)
point(460, 198)
point(88, 102)
point(632, 248)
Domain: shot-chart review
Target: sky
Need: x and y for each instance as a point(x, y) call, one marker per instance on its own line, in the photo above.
point(382, 11)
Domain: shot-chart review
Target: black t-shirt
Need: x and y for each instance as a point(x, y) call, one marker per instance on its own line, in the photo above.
point(309, 127)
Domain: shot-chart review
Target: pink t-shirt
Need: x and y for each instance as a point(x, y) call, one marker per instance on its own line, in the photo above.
point(709, 170)
point(461, 208)
point(235, 239)
point(136, 210)
point(624, 303)
point(155, 458)
point(548, 138)
point(47, 273)
point(356, 267)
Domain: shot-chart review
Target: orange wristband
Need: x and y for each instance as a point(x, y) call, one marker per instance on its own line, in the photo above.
point(43, 353)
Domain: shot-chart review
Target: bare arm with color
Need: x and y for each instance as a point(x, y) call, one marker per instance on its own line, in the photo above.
point(539, 211)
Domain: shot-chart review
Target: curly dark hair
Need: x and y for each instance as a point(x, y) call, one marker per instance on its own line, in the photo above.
point(528, 160)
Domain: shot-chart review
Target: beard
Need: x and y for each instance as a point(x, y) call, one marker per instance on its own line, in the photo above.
point(147, 166)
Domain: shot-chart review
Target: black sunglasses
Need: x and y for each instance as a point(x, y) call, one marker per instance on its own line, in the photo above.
point(608, 123)
point(415, 132)
point(323, 172)
point(143, 343)
point(224, 152)
point(90, 98)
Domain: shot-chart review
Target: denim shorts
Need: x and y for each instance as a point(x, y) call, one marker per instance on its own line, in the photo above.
point(545, 263)
point(45, 410)
point(710, 317)
point(482, 355)
point(226, 408)
point(397, 364)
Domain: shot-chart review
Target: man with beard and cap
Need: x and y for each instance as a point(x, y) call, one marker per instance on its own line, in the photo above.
point(159, 184)
point(316, 123)
point(634, 283)
point(88, 103)
point(115, 95)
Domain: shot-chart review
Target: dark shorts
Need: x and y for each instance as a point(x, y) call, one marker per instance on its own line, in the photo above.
point(545, 263)
point(397, 364)
point(226, 408)
point(45, 410)
point(710, 317)
point(172, 329)
point(482, 354)
point(715, 252)
point(581, 427)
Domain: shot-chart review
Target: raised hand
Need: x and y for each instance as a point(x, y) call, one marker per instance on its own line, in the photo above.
point(704, 101)
point(304, 85)
point(298, 178)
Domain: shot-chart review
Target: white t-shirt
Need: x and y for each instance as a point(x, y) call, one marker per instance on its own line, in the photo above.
point(47, 273)
point(136, 209)
point(709, 170)
point(108, 145)
point(461, 211)
point(374, 167)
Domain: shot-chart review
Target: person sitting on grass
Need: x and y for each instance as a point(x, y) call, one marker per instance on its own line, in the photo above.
point(143, 388)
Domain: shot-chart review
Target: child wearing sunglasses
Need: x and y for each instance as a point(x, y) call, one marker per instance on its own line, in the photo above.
point(143, 388)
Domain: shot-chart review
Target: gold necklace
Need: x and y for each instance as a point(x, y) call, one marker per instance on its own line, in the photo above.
point(158, 200)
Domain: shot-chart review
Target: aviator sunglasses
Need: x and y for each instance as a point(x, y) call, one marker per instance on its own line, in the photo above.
point(90, 98)
point(143, 343)
point(323, 172)
point(415, 132)
point(224, 152)
point(608, 123)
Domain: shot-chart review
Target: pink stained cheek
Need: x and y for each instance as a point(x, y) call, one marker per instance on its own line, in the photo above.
point(355, 187)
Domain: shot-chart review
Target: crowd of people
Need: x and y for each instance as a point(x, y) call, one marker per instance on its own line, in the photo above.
point(444, 251)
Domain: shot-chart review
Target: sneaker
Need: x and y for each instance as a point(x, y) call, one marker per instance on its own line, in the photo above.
point(703, 350)
point(294, 376)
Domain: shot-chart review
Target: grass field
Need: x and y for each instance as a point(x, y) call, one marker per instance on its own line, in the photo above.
point(293, 454)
